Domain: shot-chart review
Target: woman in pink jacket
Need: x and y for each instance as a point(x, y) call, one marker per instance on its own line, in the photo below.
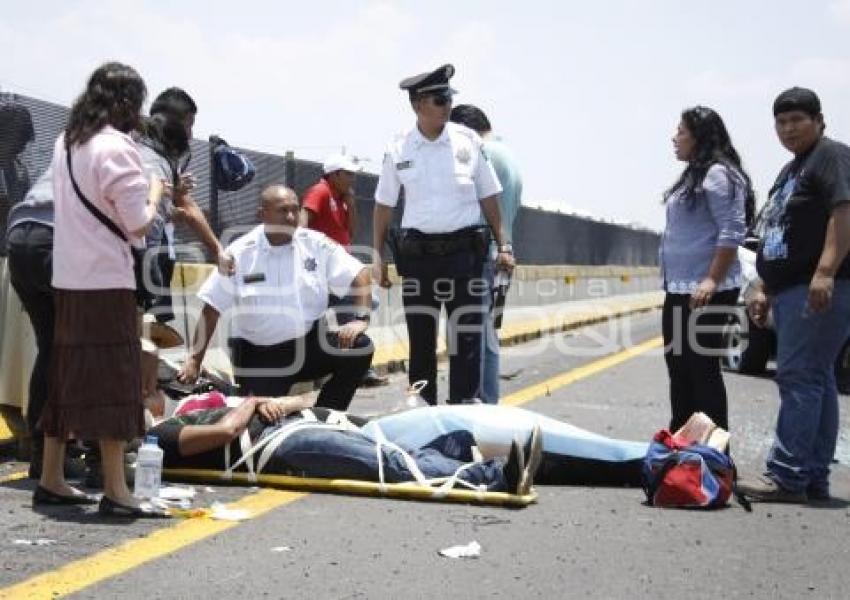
point(103, 205)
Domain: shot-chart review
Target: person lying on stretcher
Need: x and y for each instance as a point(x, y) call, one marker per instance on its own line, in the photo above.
point(285, 436)
point(571, 456)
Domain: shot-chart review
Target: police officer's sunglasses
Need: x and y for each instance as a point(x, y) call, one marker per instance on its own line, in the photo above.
point(440, 98)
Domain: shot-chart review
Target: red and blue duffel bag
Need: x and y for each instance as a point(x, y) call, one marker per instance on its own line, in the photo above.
point(683, 474)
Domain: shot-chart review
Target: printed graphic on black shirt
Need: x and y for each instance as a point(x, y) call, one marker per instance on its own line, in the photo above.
point(775, 222)
point(794, 223)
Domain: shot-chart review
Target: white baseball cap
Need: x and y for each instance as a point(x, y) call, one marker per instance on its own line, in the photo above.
point(341, 162)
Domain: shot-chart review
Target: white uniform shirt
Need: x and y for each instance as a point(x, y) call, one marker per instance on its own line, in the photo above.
point(443, 179)
point(278, 292)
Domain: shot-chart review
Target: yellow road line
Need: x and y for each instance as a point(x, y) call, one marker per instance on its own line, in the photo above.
point(108, 563)
point(13, 477)
point(7, 433)
point(545, 387)
point(82, 573)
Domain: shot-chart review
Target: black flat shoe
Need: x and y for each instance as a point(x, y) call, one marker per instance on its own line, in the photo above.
point(43, 496)
point(372, 379)
point(111, 508)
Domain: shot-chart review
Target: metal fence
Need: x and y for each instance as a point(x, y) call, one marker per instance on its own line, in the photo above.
point(540, 237)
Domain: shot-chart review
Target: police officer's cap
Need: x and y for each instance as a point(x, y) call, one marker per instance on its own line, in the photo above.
point(435, 81)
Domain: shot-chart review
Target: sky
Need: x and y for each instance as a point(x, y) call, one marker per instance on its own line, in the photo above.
point(587, 94)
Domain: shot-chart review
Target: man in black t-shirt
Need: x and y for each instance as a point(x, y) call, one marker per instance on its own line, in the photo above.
point(805, 271)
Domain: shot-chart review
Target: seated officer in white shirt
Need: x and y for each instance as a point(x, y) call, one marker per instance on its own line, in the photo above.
point(275, 301)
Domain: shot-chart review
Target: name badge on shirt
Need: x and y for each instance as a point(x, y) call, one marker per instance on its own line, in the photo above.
point(404, 165)
point(254, 277)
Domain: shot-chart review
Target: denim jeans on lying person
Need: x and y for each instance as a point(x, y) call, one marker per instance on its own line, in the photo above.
point(807, 347)
point(327, 453)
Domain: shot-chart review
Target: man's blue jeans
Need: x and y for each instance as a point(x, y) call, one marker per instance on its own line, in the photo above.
point(807, 426)
point(322, 452)
point(489, 393)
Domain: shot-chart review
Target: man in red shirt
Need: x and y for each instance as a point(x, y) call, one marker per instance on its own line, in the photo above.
point(328, 206)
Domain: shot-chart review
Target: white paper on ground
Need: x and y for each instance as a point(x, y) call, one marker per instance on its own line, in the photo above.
point(176, 492)
point(166, 504)
point(221, 513)
point(470, 550)
point(38, 542)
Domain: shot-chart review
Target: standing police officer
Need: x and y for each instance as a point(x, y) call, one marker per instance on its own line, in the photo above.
point(448, 184)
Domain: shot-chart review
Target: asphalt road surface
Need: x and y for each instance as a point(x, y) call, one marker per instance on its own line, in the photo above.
point(575, 542)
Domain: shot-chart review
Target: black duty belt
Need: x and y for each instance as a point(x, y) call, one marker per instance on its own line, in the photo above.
point(414, 243)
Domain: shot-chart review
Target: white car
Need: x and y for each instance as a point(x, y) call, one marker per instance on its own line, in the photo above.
point(749, 347)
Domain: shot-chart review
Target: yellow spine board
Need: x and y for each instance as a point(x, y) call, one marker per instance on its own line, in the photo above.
point(404, 491)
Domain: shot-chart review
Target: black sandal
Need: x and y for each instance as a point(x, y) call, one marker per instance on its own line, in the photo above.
point(111, 508)
point(43, 496)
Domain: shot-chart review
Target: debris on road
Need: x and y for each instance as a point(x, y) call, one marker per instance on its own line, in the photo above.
point(36, 542)
point(511, 374)
point(470, 550)
point(176, 493)
point(221, 513)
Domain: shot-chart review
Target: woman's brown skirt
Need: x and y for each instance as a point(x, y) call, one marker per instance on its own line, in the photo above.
point(95, 382)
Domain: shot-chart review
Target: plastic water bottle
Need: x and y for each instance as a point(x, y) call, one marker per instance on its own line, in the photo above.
point(148, 469)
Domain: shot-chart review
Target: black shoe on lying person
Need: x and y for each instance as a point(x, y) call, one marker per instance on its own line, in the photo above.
point(523, 462)
point(533, 453)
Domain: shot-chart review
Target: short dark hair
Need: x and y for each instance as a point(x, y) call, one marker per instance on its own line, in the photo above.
point(797, 98)
point(174, 102)
point(471, 116)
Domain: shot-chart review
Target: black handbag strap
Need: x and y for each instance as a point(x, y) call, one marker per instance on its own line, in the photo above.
point(109, 223)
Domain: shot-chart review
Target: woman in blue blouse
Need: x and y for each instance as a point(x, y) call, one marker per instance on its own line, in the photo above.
point(707, 213)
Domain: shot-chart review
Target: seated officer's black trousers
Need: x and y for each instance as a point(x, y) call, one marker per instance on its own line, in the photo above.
point(271, 370)
point(423, 297)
